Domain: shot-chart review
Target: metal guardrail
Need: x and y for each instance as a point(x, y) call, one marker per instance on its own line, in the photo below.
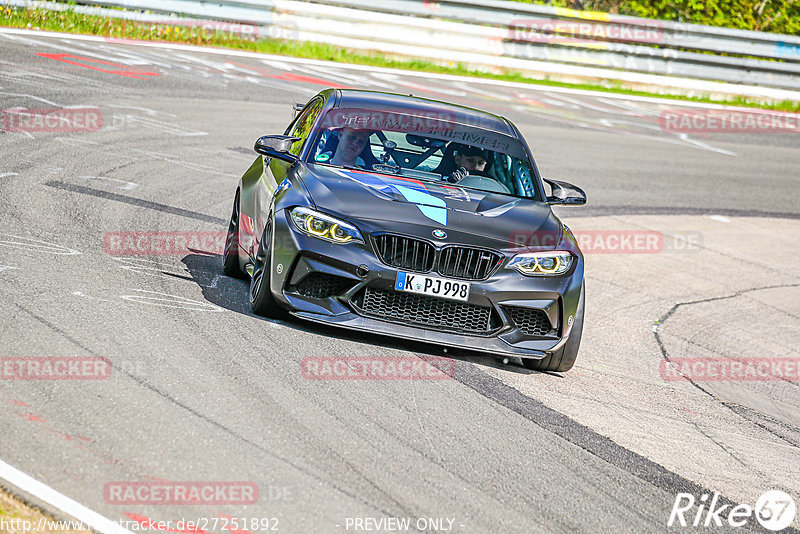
point(511, 35)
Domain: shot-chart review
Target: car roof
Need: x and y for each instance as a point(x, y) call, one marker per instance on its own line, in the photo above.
point(356, 98)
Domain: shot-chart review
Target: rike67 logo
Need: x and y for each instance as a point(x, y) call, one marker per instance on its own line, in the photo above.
point(774, 510)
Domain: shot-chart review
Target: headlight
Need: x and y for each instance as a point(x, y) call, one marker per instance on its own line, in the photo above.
point(542, 263)
point(325, 227)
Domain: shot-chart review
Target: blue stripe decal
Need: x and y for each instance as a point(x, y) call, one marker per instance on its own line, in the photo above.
point(418, 197)
point(416, 194)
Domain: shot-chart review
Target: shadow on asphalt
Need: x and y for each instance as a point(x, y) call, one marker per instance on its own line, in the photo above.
point(231, 294)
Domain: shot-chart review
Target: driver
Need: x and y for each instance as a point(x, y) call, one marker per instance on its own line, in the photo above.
point(352, 142)
point(471, 158)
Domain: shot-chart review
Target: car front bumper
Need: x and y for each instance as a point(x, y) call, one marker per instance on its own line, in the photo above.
point(357, 267)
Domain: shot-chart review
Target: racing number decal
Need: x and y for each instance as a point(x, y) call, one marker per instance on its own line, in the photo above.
point(121, 71)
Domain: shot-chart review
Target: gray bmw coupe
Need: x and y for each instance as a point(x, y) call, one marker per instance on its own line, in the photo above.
point(411, 218)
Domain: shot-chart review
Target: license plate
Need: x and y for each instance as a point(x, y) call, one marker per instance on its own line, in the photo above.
point(432, 285)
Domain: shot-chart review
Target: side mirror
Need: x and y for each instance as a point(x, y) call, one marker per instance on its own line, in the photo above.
point(276, 146)
point(565, 193)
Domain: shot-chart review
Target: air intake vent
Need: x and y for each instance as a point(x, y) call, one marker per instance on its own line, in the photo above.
point(426, 311)
point(530, 321)
point(322, 285)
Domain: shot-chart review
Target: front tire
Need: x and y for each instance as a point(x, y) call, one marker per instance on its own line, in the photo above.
point(563, 359)
point(230, 256)
point(261, 300)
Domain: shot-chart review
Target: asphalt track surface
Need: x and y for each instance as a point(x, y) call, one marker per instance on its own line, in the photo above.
point(203, 390)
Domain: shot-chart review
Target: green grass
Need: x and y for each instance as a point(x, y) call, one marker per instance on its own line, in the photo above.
point(72, 22)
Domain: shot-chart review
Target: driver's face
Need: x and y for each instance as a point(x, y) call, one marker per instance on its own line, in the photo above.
point(352, 142)
point(471, 163)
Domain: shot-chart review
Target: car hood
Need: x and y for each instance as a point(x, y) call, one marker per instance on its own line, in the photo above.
point(508, 222)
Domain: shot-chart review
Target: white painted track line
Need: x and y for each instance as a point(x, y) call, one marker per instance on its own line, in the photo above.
point(48, 495)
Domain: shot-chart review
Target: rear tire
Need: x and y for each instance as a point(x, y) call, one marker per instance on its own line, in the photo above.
point(230, 256)
point(563, 359)
point(261, 300)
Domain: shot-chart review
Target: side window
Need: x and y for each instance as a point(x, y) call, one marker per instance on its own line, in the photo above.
point(302, 126)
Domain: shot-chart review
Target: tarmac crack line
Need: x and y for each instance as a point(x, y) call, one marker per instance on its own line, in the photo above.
point(742, 411)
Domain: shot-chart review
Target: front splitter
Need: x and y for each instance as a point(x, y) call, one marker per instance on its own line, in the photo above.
point(490, 345)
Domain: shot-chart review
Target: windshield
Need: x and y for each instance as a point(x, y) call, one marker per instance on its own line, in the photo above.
point(425, 148)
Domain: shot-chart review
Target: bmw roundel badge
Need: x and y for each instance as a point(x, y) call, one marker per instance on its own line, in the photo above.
point(439, 234)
